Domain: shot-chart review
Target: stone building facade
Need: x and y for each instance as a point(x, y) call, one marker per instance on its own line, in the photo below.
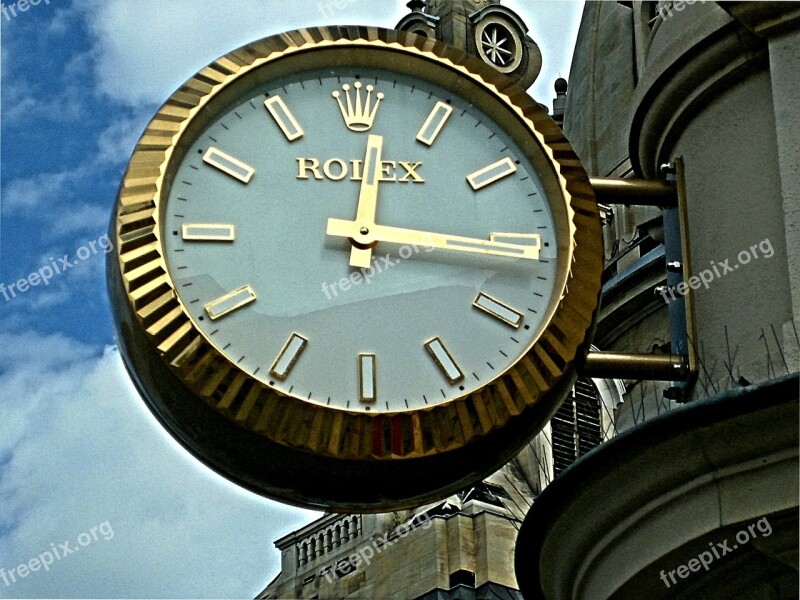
point(461, 547)
point(706, 86)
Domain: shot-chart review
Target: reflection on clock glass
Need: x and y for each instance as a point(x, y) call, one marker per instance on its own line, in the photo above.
point(362, 240)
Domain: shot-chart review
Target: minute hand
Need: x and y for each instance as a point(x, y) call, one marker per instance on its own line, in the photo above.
point(368, 196)
point(369, 234)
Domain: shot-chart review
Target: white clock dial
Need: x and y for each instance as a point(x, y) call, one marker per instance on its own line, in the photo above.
point(354, 254)
point(461, 270)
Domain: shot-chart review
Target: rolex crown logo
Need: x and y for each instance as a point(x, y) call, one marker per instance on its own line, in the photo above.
point(358, 116)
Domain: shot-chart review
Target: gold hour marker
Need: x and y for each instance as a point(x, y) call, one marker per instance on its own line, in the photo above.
point(284, 118)
point(433, 125)
point(208, 232)
point(228, 165)
point(491, 173)
point(230, 302)
point(287, 358)
point(443, 360)
point(531, 241)
point(367, 378)
point(498, 310)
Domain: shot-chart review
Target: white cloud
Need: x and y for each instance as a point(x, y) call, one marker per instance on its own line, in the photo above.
point(22, 104)
point(48, 298)
point(80, 218)
point(77, 448)
point(25, 195)
point(27, 100)
point(61, 23)
point(116, 144)
point(56, 197)
point(144, 50)
point(87, 257)
point(22, 352)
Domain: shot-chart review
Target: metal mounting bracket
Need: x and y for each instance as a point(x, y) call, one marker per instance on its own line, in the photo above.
point(680, 368)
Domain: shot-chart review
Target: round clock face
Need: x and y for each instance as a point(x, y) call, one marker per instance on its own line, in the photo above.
point(448, 287)
point(354, 255)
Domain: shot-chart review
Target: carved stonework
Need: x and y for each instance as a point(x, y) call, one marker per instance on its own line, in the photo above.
point(437, 7)
point(484, 28)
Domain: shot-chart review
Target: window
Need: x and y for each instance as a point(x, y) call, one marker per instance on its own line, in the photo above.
point(488, 493)
point(462, 577)
point(499, 44)
point(576, 426)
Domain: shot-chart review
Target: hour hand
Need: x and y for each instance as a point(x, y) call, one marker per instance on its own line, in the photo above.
point(368, 234)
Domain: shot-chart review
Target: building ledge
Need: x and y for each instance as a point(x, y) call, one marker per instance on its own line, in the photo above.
point(658, 495)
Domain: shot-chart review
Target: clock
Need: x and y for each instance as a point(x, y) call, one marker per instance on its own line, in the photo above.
point(355, 269)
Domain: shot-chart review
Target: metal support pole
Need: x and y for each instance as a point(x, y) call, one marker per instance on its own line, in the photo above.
point(653, 367)
point(638, 192)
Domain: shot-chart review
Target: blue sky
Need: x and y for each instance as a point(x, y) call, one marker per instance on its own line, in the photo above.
point(79, 81)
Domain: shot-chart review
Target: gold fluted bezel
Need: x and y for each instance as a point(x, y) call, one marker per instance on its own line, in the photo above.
point(292, 421)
